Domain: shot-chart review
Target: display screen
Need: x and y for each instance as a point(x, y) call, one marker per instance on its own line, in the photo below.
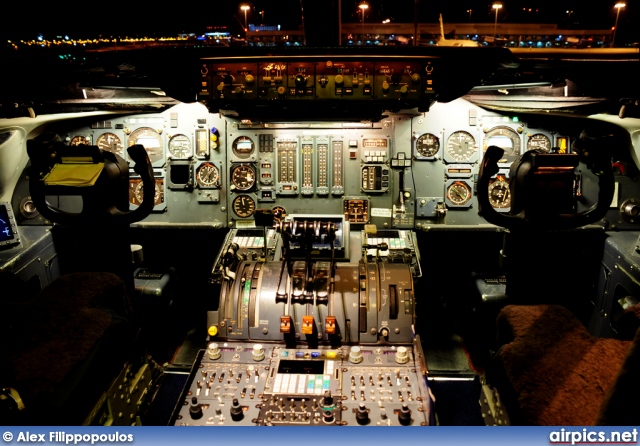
point(6, 233)
point(301, 367)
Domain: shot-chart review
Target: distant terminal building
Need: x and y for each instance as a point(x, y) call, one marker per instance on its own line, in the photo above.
point(514, 35)
point(213, 35)
point(273, 35)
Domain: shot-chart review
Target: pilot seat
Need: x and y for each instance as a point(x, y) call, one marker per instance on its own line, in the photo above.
point(63, 346)
point(547, 368)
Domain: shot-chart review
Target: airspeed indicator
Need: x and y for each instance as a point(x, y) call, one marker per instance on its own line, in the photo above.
point(427, 145)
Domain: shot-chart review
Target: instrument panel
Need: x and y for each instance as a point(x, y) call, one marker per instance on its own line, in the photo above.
point(241, 83)
point(407, 170)
point(244, 384)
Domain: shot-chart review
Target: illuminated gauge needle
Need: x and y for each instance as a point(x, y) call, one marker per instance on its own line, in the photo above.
point(506, 196)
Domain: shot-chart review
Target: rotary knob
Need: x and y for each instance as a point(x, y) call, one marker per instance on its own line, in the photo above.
point(214, 351)
point(258, 352)
point(385, 87)
point(249, 78)
point(415, 78)
point(236, 411)
point(630, 210)
point(339, 79)
point(355, 355)
point(327, 399)
point(327, 417)
point(300, 81)
point(195, 409)
point(362, 415)
point(404, 415)
point(402, 357)
point(281, 90)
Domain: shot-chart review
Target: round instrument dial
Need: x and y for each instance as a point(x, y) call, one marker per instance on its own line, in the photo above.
point(110, 142)
point(244, 206)
point(150, 139)
point(208, 175)
point(243, 147)
point(499, 194)
point(243, 177)
point(138, 192)
point(279, 213)
point(539, 141)
point(459, 193)
point(504, 137)
point(77, 140)
point(461, 146)
point(180, 146)
point(427, 145)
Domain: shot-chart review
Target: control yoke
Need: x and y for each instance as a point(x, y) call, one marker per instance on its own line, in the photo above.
point(105, 200)
point(545, 188)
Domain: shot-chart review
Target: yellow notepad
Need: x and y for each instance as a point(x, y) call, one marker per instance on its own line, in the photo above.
point(78, 175)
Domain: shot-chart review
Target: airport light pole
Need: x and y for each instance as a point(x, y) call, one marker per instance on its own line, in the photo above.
point(497, 7)
point(245, 8)
point(363, 6)
point(618, 6)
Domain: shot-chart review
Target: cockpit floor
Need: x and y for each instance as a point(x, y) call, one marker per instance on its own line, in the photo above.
point(186, 352)
point(456, 401)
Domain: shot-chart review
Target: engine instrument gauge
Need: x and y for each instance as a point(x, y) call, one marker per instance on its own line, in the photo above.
point(427, 145)
point(244, 206)
point(461, 146)
point(150, 139)
point(243, 177)
point(459, 193)
point(504, 137)
point(539, 141)
point(499, 194)
point(207, 175)
point(80, 139)
point(243, 147)
point(136, 193)
point(110, 142)
point(180, 146)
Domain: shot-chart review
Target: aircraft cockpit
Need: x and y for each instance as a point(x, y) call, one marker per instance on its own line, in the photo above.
point(324, 237)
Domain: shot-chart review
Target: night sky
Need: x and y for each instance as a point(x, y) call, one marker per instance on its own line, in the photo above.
point(75, 19)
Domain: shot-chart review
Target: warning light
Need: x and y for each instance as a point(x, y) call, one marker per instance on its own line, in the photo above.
point(563, 144)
